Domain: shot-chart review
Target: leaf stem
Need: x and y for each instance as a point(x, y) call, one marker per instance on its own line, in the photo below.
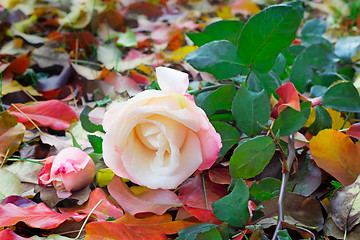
point(87, 218)
point(285, 178)
point(37, 161)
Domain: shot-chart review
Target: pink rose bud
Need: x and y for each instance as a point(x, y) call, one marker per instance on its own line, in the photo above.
point(70, 170)
point(158, 139)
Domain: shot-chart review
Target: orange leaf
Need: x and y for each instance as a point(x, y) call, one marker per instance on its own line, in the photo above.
point(288, 97)
point(20, 64)
point(129, 227)
point(51, 113)
point(105, 210)
point(336, 153)
point(163, 223)
point(115, 231)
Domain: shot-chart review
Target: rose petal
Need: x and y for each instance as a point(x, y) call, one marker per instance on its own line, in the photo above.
point(138, 155)
point(172, 80)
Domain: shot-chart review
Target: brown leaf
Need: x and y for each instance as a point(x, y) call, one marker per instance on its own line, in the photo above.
point(306, 210)
point(345, 206)
point(11, 135)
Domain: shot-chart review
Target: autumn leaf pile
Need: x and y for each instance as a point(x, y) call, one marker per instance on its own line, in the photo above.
point(63, 63)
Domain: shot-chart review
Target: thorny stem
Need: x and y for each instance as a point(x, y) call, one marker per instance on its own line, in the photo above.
point(87, 218)
point(284, 180)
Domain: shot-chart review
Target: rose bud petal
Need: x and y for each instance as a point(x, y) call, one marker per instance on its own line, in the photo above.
point(70, 170)
point(158, 139)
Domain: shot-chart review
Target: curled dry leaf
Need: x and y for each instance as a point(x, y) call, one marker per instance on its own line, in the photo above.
point(155, 201)
point(345, 206)
point(336, 153)
point(11, 135)
point(51, 113)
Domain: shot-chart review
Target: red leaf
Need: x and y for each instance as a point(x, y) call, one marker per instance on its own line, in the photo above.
point(288, 97)
point(192, 193)
point(220, 175)
point(51, 113)
point(146, 8)
point(20, 64)
point(354, 131)
point(83, 40)
point(155, 201)
point(105, 210)
point(113, 231)
point(38, 216)
point(9, 234)
point(204, 215)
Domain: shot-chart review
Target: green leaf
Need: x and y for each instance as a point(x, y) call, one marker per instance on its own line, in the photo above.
point(314, 57)
point(250, 110)
point(96, 157)
point(283, 235)
point(233, 208)
point(290, 120)
point(10, 184)
point(86, 124)
point(313, 27)
point(213, 234)
point(266, 34)
point(265, 189)
point(251, 157)
point(218, 58)
point(229, 136)
point(96, 143)
point(268, 81)
point(191, 232)
point(220, 99)
point(347, 47)
point(75, 143)
point(322, 120)
point(221, 30)
point(126, 39)
point(342, 97)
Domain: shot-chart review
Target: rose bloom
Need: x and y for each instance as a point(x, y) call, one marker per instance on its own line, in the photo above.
point(158, 139)
point(70, 170)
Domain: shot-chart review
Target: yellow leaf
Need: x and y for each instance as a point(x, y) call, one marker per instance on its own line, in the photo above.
point(357, 83)
point(14, 86)
point(336, 118)
point(138, 189)
point(148, 70)
point(224, 13)
point(104, 176)
point(335, 153)
point(180, 53)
